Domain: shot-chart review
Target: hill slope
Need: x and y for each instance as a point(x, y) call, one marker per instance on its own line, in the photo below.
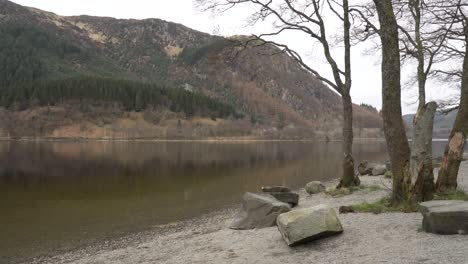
point(273, 96)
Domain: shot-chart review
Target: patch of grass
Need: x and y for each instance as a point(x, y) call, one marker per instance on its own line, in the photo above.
point(347, 191)
point(384, 206)
point(338, 192)
point(372, 188)
point(452, 195)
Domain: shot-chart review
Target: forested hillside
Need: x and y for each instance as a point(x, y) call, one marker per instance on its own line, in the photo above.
point(48, 61)
point(132, 96)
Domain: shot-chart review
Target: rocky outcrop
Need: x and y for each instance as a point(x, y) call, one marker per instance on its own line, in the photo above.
point(314, 187)
point(365, 168)
point(282, 194)
point(258, 211)
point(379, 170)
point(305, 225)
point(445, 217)
point(287, 197)
point(370, 168)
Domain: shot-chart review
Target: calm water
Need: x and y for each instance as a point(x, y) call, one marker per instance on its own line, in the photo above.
point(57, 196)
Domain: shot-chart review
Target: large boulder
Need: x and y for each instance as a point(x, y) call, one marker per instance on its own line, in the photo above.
point(379, 170)
point(286, 197)
point(445, 217)
point(314, 187)
point(304, 225)
point(275, 189)
point(258, 211)
point(282, 194)
point(365, 168)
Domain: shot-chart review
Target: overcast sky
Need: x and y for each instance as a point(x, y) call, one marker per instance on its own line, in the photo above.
point(366, 69)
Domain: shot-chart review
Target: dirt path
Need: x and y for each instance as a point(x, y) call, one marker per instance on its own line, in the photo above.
point(368, 238)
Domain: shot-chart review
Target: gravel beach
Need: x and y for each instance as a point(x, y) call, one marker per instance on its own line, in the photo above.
point(368, 238)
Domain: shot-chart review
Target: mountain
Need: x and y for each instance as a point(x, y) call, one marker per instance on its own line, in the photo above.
point(443, 124)
point(255, 91)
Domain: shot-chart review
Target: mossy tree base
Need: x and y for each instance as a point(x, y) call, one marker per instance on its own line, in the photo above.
point(349, 179)
point(385, 205)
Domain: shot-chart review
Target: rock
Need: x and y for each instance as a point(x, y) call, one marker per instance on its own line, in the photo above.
point(286, 197)
point(388, 165)
point(282, 194)
point(365, 168)
point(314, 187)
point(346, 209)
point(275, 189)
point(379, 170)
point(445, 217)
point(388, 174)
point(304, 225)
point(368, 168)
point(259, 210)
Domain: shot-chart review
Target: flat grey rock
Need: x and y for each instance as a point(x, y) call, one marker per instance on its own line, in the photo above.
point(286, 197)
point(305, 225)
point(258, 211)
point(365, 168)
point(275, 189)
point(445, 217)
point(379, 170)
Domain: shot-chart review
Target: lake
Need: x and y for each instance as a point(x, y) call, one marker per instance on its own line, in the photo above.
point(59, 196)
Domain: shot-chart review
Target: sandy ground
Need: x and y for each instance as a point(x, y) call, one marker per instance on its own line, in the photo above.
point(368, 238)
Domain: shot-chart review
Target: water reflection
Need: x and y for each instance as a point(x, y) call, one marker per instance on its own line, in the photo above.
point(56, 196)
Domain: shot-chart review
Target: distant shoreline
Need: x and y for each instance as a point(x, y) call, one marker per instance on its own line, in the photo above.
point(5, 139)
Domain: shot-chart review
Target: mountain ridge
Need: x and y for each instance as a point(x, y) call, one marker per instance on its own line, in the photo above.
point(272, 91)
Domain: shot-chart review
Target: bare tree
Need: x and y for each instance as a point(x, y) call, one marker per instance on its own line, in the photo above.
point(306, 16)
point(448, 173)
point(422, 40)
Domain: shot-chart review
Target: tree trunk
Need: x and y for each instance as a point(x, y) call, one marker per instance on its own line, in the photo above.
point(422, 175)
point(397, 143)
point(448, 173)
point(416, 6)
point(349, 178)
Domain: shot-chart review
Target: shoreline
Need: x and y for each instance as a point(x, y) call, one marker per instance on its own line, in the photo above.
point(368, 238)
point(208, 140)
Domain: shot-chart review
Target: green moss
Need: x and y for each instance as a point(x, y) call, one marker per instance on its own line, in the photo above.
point(452, 195)
point(384, 206)
point(347, 191)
